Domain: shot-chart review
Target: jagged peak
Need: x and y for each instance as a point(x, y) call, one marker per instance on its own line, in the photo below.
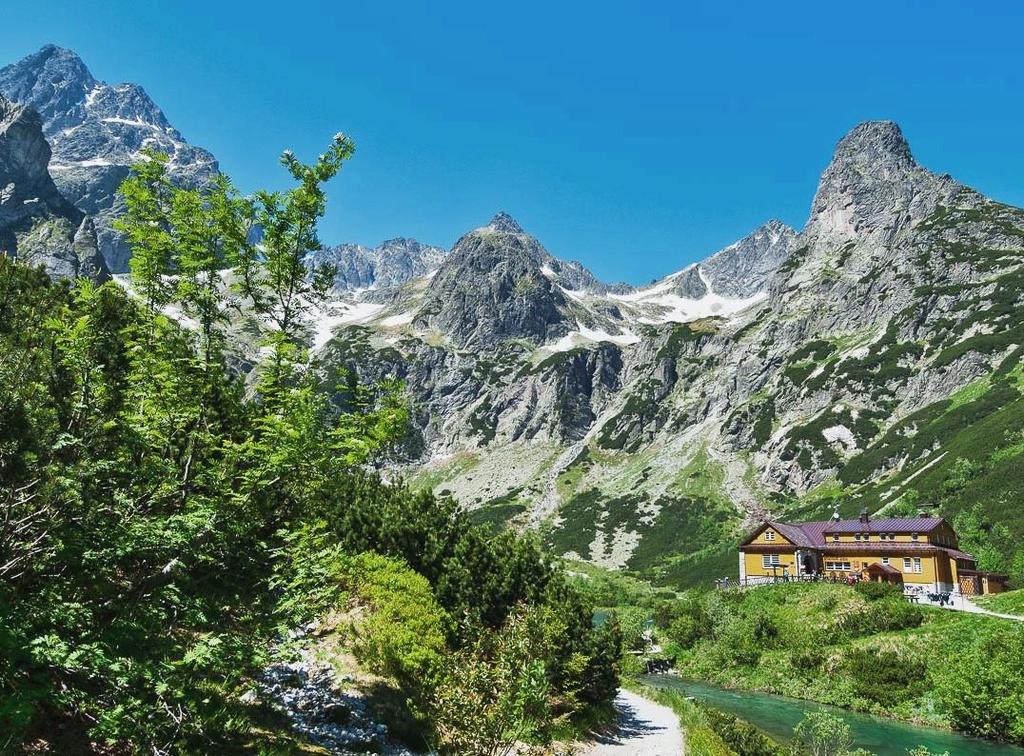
point(775, 226)
point(505, 223)
point(874, 143)
point(58, 57)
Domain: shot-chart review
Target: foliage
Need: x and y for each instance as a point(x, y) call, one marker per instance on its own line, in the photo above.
point(983, 690)
point(495, 692)
point(886, 677)
point(742, 737)
point(158, 525)
point(862, 648)
point(822, 734)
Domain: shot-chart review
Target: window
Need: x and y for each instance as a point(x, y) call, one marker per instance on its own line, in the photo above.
point(885, 560)
point(917, 565)
point(769, 535)
point(906, 564)
point(835, 536)
point(769, 560)
point(856, 536)
point(838, 566)
point(913, 536)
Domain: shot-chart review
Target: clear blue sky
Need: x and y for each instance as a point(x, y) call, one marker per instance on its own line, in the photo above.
point(636, 137)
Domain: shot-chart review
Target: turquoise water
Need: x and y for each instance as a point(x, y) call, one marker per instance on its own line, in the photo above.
point(778, 716)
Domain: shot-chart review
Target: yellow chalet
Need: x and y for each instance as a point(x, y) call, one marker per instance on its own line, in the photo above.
point(916, 551)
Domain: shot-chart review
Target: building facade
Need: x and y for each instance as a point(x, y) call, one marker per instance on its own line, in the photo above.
point(917, 551)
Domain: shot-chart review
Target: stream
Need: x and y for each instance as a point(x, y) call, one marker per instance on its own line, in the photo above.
point(777, 716)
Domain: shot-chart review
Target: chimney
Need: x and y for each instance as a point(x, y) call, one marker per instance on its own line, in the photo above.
point(864, 515)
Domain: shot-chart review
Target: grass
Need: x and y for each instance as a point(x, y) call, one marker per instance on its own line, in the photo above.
point(1011, 602)
point(815, 642)
point(429, 478)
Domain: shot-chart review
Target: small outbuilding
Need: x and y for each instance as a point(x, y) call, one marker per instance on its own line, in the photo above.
point(877, 572)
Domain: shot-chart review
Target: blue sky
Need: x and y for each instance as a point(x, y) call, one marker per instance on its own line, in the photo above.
point(635, 137)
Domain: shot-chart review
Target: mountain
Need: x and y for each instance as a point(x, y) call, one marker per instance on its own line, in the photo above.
point(387, 265)
point(871, 357)
point(96, 131)
point(37, 224)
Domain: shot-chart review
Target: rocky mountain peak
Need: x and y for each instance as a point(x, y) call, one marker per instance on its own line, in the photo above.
point(738, 271)
point(874, 145)
point(54, 81)
point(388, 265)
point(97, 131)
point(492, 287)
point(505, 223)
point(873, 188)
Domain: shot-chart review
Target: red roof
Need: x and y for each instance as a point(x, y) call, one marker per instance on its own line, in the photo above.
point(887, 525)
point(879, 567)
point(813, 534)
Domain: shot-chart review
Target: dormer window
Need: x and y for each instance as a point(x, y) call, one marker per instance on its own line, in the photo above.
point(835, 536)
point(913, 536)
point(769, 535)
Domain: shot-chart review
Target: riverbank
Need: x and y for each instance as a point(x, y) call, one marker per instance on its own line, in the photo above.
point(777, 716)
point(860, 648)
point(642, 728)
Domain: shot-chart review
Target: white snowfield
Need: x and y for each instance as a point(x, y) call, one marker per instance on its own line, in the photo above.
point(644, 728)
point(583, 335)
point(340, 313)
point(672, 308)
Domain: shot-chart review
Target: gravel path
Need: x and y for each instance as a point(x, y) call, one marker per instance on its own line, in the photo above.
point(644, 729)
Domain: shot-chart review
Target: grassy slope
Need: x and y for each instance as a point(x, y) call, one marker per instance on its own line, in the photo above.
point(1005, 603)
point(811, 656)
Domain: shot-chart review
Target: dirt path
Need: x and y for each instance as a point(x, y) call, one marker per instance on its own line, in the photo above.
point(644, 729)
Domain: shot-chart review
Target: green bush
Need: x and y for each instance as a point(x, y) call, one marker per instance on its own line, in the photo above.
point(982, 688)
point(823, 734)
point(806, 659)
point(873, 591)
point(885, 677)
point(882, 615)
point(742, 737)
point(403, 637)
point(685, 631)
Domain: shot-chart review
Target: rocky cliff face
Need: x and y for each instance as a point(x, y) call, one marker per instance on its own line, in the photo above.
point(96, 131)
point(37, 224)
point(642, 426)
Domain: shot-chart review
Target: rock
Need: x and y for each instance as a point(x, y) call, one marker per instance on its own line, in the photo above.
point(96, 131)
point(319, 707)
point(37, 224)
point(392, 263)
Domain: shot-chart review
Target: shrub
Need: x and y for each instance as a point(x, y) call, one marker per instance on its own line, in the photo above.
point(685, 631)
point(874, 591)
point(982, 689)
point(496, 693)
point(765, 632)
point(806, 659)
point(823, 734)
point(885, 677)
point(404, 635)
point(742, 737)
point(633, 624)
point(882, 615)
